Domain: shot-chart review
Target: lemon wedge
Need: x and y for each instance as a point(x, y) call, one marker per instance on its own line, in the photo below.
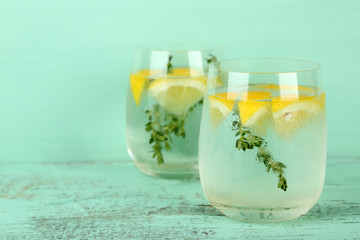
point(255, 110)
point(221, 105)
point(292, 112)
point(177, 94)
point(138, 81)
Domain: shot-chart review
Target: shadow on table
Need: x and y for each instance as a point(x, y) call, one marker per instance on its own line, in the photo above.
point(339, 210)
point(203, 210)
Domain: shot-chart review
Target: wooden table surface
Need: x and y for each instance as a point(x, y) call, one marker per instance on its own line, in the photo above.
point(114, 200)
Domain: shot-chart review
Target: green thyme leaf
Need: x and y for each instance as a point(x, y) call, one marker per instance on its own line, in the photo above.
point(212, 58)
point(169, 65)
point(248, 140)
point(162, 125)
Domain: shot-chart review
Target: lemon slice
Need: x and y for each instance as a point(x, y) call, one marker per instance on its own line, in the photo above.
point(138, 81)
point(185, 72)
point(321, 100)
point(192, 72)
point(287, 87)
point(178, 94)
point(292, 112)
point(221, 105)
point(255, 110)
point(284, 89)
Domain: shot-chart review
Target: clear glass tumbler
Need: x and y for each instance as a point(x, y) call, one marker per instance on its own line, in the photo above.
point(262, 147)
point(165, 97)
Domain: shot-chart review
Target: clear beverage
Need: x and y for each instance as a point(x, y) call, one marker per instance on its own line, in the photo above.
point(178, 161)
point(279, 174)
point(164, 109)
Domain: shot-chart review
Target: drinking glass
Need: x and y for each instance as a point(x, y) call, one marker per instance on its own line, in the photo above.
point(262, 146)
point(164, 102)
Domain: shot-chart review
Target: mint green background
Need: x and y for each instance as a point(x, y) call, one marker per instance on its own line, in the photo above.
point(64, 64)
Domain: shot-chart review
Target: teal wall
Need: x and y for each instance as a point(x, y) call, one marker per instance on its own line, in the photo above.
point(64, 64)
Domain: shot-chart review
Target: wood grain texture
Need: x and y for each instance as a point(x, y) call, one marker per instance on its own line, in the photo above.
point(114, 200)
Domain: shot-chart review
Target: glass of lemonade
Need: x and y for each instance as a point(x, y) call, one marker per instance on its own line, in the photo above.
point(262, 147)
point(164, 102)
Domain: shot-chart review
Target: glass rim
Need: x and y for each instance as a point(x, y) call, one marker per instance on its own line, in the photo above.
point(315, 65)
point(179, 47)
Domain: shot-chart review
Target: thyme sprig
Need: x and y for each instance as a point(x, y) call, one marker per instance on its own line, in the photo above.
point(248, 140)
point(170, 67)
point(211, 59)
point(162, 125)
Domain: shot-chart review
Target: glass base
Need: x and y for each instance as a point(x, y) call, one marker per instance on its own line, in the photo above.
point(170, 171)
point(262, 215)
